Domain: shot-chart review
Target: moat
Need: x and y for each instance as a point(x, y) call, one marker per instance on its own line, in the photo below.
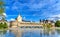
point(30, 32)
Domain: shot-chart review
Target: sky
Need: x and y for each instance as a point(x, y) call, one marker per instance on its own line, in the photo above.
point(32, 10)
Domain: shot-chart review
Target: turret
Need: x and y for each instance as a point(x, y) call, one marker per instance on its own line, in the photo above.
point(19, 18)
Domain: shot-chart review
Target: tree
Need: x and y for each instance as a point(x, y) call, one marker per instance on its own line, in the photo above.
point(3, 25)
point(1, 7)
point(57, 24)
point(47, 25)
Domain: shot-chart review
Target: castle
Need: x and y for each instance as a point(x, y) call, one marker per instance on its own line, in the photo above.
point(20, 23)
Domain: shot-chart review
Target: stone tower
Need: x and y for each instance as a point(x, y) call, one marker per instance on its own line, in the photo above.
point(19, 18)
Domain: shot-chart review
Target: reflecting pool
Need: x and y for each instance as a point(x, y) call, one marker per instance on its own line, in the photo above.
point(6, 33)
point(26, 32)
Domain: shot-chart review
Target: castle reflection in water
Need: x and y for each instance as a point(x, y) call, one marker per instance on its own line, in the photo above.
point(29, 33)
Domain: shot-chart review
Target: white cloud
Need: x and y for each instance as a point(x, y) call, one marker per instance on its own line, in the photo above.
point(51, 18)
point(36, 6)
point(24, 17)
point(7, 7)
point(58, 15)
point(58, 19)
point(12, 19)
point(14, 7)
point(5, 14)
point(0, 18)
point(54, 17)
point(41, 4)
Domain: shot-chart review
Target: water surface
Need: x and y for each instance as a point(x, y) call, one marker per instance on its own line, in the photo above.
point(24, 32)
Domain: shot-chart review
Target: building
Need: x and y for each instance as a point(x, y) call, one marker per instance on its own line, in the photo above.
point(48, 22)
point(19, 22)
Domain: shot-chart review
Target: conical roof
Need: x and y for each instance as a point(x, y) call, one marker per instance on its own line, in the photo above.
point(19, 18)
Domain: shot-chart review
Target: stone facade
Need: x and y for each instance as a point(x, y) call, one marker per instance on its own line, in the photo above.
point(18, 22)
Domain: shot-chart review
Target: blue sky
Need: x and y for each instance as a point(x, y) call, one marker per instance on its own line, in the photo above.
point(32, 10)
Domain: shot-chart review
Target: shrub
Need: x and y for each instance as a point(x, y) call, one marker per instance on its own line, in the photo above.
point(3, 25)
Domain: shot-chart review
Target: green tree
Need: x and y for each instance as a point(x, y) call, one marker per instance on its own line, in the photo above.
point(1, 7)
point(3, 25)
point(44, 26)
point(47, 26)
point(57, 24)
